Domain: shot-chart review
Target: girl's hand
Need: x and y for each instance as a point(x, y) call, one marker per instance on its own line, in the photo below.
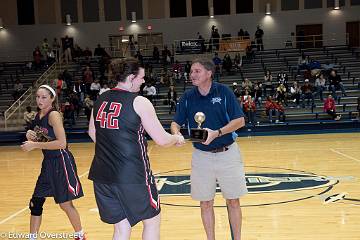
point(31, 135)
point(28, 146)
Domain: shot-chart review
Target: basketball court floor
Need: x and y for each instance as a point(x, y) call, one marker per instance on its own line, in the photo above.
point(301, 187)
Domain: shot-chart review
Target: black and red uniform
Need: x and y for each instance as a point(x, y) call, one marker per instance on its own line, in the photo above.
point(124, 185)
point(58, 177)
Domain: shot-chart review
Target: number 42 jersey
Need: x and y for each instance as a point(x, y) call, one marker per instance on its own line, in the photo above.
point(121, 147)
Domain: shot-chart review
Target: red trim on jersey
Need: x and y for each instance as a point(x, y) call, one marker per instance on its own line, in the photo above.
point(154, 203)
point(119, 89)
point(143, 152)
point(73, 190)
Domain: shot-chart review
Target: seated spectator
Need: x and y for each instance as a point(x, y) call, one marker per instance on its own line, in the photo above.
point(87, 53)
point(75, 102)
point(247, 85)
point(307, 93)
point(330, 108)
point(236, 90)
point(295, 91)
point(218, 65)
point(37, 58)
point(166, 55)
point(335, 83)
point(283, 78)
point(18, 89)
point(237, 62)
point(172, 98)
point(88, 105)
point(77, 52)
point(327, 67)
point(156, 54)
point(250, 110)
point(150, 92)
point(79, 90)
point(281, 94)
point(29, 116)
point(88, 78)
point(280, 112)
point(177, 70)
point(303, 62)
point(270, 108)
point(268, 86)
point(227, 63)
point(258, 89)
point(95, 89)
point(104, 88)
point(320, 83)
point(68, 113)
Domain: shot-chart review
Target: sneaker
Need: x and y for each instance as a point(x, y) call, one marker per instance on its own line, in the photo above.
point(83, 237)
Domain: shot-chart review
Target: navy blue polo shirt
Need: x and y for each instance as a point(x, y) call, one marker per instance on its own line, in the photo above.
point(220, 106)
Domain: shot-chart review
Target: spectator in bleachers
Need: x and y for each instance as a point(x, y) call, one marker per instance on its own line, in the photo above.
point(150, 92)
point(95, 89)
point(88, 78)
point(29, 116)
point(244, 97)
point(270, 108)
point(131, 46)
point(246, 35)
point(68, 113)
point(56, 49)
point(307, 93)
point(50, 56)
point(67, 47)
point(330, 108)
point(280, 112)
point(268, 86)
point(18, 89)
point(60, 86)
point(172, 98)
point(79, 90)
point(88, 105)
point(215, 36)
point(75, 102)
point(156, 54)
point(176, 71)
point(258, 91)
point(202, 43)
point(77, 52)
point(140, 57)
point(295, 91)
point(87, 53)
point(259, 38)
point(303, 62)
point(187, 69)
point(100, 51)
point(283, 78)
point(104, 88)
point(227, 63)
point(281, 94)
point(37, 56)
point(236, 90)
point(45, 48)
point(320, 83)
point(335, 83)
point(247, 85)
point(241, 33)
point(327, 67)
point(249, 107)
point(217, 62)
point(250, 52)
point(237, 62)
point(67, 77)
point(166, 55)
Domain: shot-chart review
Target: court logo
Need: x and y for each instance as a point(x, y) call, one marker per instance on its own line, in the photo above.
point(256, 183)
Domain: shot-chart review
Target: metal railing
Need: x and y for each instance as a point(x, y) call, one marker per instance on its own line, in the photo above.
point(27, 97)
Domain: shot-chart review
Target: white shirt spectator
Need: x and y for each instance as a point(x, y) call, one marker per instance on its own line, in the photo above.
point(102, 90)
point(95, 86)
point(150, 91)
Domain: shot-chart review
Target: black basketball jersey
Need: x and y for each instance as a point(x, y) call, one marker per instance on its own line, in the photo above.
point(44, 132)
point(121, 148)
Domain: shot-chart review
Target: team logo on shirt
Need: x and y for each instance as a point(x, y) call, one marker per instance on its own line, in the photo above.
point(216, 100)
point(298, 184)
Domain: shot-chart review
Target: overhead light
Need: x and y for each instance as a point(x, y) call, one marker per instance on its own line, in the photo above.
point(1, 24)
point(268, 9)
point(68, 19)
point(211, 12)
point(133, 17)
point(336, 4)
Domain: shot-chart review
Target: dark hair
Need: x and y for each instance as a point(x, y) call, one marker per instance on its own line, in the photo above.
point(206, 63)
point(121, 68)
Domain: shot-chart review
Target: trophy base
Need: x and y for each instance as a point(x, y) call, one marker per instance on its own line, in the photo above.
point(198, 135)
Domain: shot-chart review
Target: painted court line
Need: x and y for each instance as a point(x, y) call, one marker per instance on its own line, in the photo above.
point(25, 208)
point(344, 155)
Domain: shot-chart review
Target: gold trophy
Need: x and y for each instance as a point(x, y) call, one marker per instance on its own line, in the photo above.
point(198, 134)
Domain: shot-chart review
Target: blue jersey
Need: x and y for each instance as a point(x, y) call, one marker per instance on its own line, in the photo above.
point(220, 106)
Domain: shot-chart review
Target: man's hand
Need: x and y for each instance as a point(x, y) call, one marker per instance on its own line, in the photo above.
point(212, 134)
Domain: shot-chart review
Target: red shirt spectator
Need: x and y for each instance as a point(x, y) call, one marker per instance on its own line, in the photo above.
point(329, 104)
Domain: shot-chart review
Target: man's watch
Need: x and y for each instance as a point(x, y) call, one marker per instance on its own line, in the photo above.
point(219, 132)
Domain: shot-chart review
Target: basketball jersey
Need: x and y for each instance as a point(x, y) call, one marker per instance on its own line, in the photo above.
point(121, 148)
point(41, 125)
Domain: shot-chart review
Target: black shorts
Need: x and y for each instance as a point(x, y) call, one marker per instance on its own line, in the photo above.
point(135, 202)
point(58, 178)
